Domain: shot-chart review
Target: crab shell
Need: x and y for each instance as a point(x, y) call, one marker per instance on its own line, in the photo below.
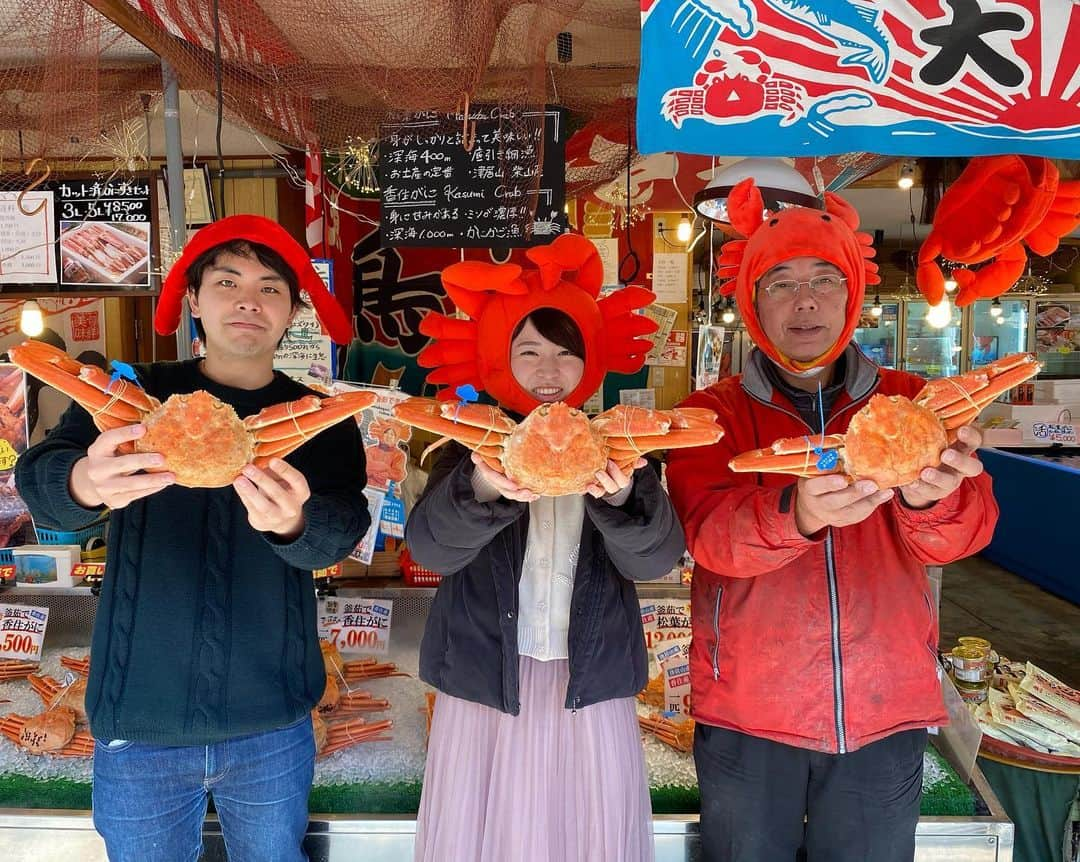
point(203, 441)
point(46, 733)
point(55, 694)
point(891, 440)
point(555, 451)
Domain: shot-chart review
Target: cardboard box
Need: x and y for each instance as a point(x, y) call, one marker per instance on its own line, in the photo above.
point(45, 566)
point(1028, 412)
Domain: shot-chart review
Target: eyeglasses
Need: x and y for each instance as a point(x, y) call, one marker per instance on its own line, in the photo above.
point(820, 286)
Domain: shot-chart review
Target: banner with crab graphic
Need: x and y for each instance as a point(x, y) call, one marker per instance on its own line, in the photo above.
point(898, 77)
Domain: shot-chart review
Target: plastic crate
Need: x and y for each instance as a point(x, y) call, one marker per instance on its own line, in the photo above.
point(7, 556)
point(416, 575)
point(75, 537)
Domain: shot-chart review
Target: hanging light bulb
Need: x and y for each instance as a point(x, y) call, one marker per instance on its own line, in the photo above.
point(999, 319)
point(729, 313)
point(939, 316)
point(31, 321)
point(995, 309)
point(907, 176)
point(682, 233)
point(950, 284)
point(876, 309)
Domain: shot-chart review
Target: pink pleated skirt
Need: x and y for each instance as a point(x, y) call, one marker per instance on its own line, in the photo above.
point(548, 785)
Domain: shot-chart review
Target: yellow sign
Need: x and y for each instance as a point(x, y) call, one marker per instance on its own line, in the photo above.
point(8, 455)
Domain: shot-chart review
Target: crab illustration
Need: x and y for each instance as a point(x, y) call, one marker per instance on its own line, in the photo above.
point(55, 693)
point(996, 205)
point(892, 438)
point(556, 449)
point(203, 441)
point(51, 732)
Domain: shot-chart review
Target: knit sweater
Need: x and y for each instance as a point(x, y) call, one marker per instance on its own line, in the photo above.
point(206, 629)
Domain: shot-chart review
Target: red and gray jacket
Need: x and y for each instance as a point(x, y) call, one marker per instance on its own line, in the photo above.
point(827, 643)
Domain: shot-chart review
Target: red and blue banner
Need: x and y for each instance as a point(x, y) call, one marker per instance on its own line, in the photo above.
point(898, 77)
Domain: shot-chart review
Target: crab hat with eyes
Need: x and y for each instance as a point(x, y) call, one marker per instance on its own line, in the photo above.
point(772, 239)
point(565, 275)
point(256, 229)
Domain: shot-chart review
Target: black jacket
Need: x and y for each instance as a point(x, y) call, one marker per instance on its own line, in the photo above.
point(470, 648)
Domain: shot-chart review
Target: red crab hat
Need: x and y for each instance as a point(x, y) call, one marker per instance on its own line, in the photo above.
point(261, 230)
point(796, 232)
point(566, 275)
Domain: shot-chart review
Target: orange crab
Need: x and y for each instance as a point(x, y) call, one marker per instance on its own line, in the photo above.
point(892, 439)
point(51, 732)
point(995, 206)
point(678, 734)
point(204, 442)
point(331, 737)
point(81, 666)
point(10, 669)
point(54, 693)
point(556, 449)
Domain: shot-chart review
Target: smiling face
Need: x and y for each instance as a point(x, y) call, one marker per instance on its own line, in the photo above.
point(804, 326)
point(244, 307)
point(547, 370)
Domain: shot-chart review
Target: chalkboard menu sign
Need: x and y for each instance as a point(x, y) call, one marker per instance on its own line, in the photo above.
point(104, 230)
point(496, 194)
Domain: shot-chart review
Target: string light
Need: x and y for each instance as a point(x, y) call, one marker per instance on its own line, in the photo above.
point(907, 176)
point(31, 321)
point(939, 316)
point(682, 233)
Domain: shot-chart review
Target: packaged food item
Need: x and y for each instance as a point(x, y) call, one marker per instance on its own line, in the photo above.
point(1048, 716)
point(1005, 714)
point(1052, 691)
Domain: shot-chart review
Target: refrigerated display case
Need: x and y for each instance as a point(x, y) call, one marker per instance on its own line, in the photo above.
point(997, 328)
point(879, 336)
point(1057, 335)
point(928, 350)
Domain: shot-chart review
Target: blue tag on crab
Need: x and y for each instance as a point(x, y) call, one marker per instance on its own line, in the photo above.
point(123, 371)
point(827, 459)
point(466, 394)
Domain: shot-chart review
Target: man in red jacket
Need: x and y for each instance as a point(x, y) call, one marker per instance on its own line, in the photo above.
point(813, 663)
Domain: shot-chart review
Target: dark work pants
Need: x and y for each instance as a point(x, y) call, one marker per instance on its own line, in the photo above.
point(858, 807)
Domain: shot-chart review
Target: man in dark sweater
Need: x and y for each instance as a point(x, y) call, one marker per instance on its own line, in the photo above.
point(205, 662)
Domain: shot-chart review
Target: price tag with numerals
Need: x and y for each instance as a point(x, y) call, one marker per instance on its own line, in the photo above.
point(22, 631)
point(357, 625)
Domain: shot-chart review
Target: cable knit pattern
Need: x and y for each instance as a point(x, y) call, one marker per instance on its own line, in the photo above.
point(205, 628)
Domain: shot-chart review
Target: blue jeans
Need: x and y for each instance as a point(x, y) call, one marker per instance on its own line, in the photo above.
point(150, 800)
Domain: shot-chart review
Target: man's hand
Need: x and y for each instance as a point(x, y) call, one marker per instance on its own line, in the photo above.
point(104, 477)
point(274, 498)
point(829, 501)
point(958, 463)
point(506, 487)
point(612, 480)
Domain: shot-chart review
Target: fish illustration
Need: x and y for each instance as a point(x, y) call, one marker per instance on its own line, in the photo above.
point(701, 21)
point(850, 25)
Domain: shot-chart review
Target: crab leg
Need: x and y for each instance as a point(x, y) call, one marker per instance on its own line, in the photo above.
point(92, 399)
point(16, 670)
point(793, 455)
point(81, 666)
point(351, 732)
point(300, 428)
point(44, 686)
point(359, 701)
point(369, 669)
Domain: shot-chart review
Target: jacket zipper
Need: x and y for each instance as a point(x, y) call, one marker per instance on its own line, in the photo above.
point(838, 672)
point(716, 634)
point(830, 572)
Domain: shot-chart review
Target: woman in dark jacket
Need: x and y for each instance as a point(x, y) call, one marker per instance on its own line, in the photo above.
point(535, 643)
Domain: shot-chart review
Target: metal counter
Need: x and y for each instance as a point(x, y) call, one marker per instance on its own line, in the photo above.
point(43, 835)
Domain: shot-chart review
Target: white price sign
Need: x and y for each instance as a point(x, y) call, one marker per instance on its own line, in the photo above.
point(356, 625)
point(22, 631)
point(1052, 432)
point(675, 665)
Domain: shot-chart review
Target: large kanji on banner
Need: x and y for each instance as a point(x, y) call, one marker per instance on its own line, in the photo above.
point(899, 77)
